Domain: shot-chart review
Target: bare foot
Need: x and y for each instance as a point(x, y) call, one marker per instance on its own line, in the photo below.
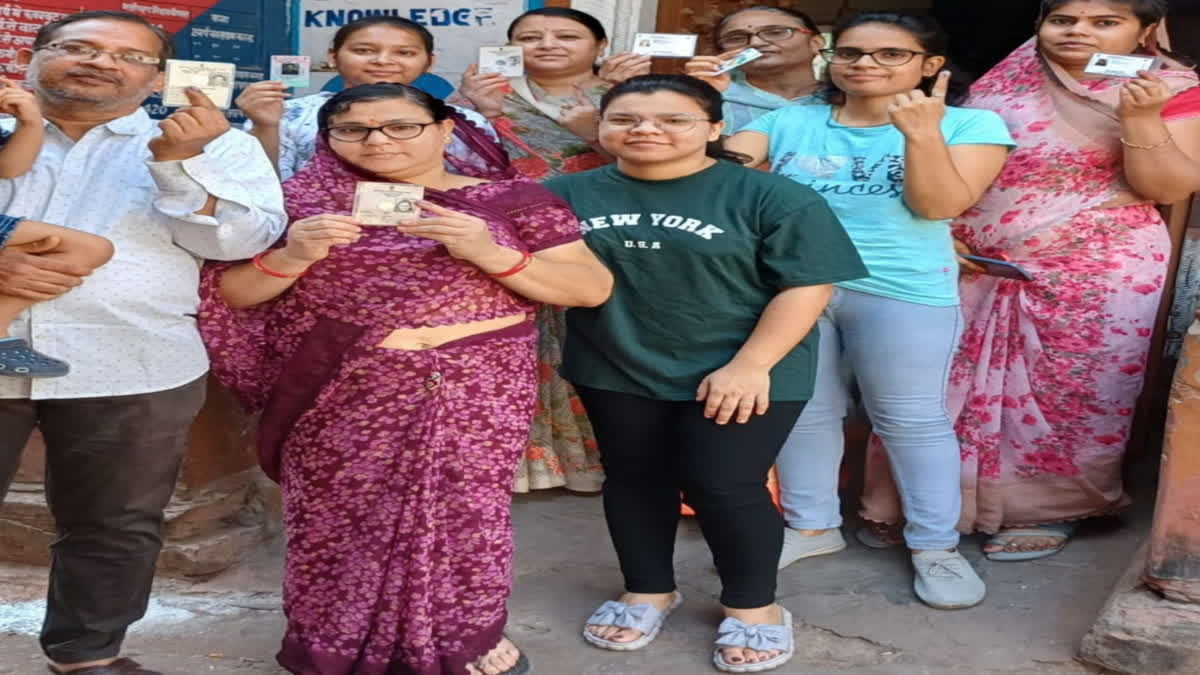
point(1000, 543)
point(891, 534)
point(739, 655)
point(502, 658)
point(660, 601)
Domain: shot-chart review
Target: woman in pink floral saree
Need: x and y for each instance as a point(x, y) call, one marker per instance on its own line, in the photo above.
point(394, 367)
point(1048, 372)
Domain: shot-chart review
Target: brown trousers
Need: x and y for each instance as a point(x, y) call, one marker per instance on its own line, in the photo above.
point(111, 466)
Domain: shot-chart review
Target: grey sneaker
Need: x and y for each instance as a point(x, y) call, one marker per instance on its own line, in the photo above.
point(945, 580)
point(797, 546)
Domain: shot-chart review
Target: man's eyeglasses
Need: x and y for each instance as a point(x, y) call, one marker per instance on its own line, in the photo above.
point(742, 38)
point(671, 123)
point(82, 52)
point(888, 56)
point(397, 131)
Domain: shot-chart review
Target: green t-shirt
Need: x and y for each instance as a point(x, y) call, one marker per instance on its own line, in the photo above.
point(696, 260)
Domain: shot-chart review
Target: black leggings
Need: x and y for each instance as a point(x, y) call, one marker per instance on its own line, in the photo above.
point(652, 450)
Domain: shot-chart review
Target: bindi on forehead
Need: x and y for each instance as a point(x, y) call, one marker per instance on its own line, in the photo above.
point(1097, 9)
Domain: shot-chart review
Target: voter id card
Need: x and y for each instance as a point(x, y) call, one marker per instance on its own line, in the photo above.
point(667, 45)
point(212, 78)
point(1120, 65)
point(745, 56)
point(507, 61)
point(292, 71)
point(386, 203)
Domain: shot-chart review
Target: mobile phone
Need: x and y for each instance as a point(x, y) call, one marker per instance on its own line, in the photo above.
point(1000, 268)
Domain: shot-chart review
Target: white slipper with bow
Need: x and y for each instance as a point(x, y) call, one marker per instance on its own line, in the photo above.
point(642, 617)
point(760, 637)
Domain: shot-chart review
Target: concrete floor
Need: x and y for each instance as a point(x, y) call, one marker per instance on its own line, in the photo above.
point(855, 611)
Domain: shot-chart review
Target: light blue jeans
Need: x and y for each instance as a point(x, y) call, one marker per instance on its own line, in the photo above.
point(900, 354)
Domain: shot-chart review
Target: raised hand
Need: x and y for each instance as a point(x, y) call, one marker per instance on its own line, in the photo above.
point(188, 130)
point(485, 92)
point(1144, 96)
point(309, 239)
point(705, 67)
point(581, 117)
point(262, 102)
point(19, 103)
point(620, 67)
point(916, 114)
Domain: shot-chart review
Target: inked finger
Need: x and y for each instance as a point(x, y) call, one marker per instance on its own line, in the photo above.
point(198, 98)
point(941, 85)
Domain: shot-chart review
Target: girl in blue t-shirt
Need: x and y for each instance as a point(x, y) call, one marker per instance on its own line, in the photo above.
point(895, 163)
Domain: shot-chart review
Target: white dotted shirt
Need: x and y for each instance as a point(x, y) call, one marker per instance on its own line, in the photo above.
point(298, 132)
point(130, 327)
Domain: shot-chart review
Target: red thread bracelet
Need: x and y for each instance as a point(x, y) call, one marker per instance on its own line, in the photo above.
point(257, 261)
point(526, 258)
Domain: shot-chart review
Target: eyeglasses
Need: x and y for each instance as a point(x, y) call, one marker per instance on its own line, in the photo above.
point(82, 52)
point(671, 123)
point(397, 131)
point(888, 56)
point(742, 38)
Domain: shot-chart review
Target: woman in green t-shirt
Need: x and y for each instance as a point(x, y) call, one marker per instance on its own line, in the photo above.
point(720, 273)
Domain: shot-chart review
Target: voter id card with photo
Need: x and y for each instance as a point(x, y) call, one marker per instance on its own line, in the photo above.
point(507, 61)
point(1120, 65)
point(745, 56)
point(667, 45)
point(212, 78)
point(292, 71)
point(387, 203)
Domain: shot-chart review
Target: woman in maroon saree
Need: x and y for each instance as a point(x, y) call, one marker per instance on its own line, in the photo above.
point(394, 367)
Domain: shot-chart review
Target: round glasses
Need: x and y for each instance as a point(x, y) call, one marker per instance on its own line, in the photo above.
point(671, 123)
point(888, 56)
point(81, 52)
point(397, 131)
point(742, 38)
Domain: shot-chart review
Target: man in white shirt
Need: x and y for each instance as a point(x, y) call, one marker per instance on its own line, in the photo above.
point(168, 195)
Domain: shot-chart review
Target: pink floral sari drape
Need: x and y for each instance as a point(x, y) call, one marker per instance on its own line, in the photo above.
point(1044, 385)
point(396, 466)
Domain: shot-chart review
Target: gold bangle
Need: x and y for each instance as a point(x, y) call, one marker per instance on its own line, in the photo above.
point(1135, 146)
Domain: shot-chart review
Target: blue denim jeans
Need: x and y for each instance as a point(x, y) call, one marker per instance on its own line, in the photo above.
point(900, 353)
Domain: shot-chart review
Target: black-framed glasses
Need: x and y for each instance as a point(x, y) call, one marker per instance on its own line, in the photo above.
point(83, 52)
point(888, 56)
point(671, 123)
point(397, 131)
point(742, 38)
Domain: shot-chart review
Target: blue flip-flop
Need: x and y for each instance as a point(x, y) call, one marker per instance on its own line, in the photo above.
point(18, 359)
point(1004, 537)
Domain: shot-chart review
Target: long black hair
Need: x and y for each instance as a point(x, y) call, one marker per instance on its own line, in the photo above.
point(587, 20)
point(1147, 11)
point(925, 30)
point(341, 101)
point(803, 18)
point(699, 91)
point(344, 33)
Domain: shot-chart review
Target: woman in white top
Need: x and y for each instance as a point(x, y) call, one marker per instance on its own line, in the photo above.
point(367, 51)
